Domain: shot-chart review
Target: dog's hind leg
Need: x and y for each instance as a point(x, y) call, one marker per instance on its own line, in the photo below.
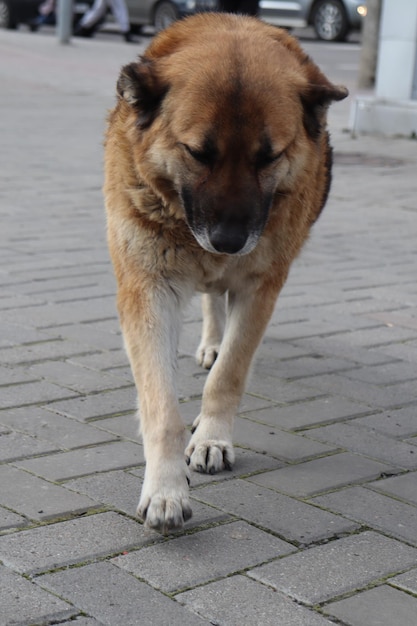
point(248, 312)
point(150, 319)
point(214, 309)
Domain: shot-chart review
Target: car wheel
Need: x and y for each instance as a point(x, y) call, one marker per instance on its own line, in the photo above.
point(165, 14)
point(329, 20)
point(6, 18)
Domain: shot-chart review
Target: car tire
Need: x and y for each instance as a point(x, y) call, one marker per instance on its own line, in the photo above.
point(329, 20)
point(6, 18)
point(165, 14)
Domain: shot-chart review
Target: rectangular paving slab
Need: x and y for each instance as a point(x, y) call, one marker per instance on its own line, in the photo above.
point(195, 559)
point(381, 606)
point(113, 597)
point(81, 462)
point(375, 510)
point(289, 518)
point(39, 499)
point(324, 572)
point(74, 541)
point(329, 472)
point(240, 601)
point(23, 602)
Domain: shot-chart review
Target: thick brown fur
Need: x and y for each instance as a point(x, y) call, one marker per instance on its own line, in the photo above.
point(217, 164)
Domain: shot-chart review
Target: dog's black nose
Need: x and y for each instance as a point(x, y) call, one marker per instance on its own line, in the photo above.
point(228, 240)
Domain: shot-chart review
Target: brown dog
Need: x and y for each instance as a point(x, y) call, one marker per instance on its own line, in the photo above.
point(217, 164)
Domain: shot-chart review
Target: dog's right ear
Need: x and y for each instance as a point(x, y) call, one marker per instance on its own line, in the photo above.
point(140, 86)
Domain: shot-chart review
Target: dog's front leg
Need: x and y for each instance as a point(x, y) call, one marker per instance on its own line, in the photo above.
point(150, 321)
point(248, 312)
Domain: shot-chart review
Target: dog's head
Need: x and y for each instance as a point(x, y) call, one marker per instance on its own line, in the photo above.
point(227, 111)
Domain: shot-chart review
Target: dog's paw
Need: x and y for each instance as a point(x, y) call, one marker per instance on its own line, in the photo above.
point(210, 456)
point(164, 504)
point(210, 448)
point(206, 354)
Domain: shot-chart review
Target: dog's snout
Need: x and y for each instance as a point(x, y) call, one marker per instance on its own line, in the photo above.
point(228, 240)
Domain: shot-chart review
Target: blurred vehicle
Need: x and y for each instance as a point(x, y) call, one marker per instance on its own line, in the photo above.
point(15, 12)
point(332, 20)
point(157, 13)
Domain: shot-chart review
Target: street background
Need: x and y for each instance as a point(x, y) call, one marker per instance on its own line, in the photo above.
point(317, 523)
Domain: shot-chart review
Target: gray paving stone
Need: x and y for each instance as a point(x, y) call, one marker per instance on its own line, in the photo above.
point(23, 602)
point(305, 366)
point(15, 446)
point(69, 542)
point(375, 510)
point(8, 519)
point(405, 351)
point(381, 606)
point(401, 423)
point(100, 458)
point(89, 335)
point(291, 519)
point(82, 621)
point(52, 315)
point(239, 601)
point(407, 581)
point(195, 559)
point(247, 463)
point(92, 407)
point(126, 426)
point(279, 390)
point(113, 596)
point(37, 498)
point(330, 472)
point(370, 443)
point(64, 432)
point(75, 378)
point(339, 346)
point(32, 393)
point(376, 397)
point(15, 335)
point(304, 414)
point(102, 360)
point(403, 487)
point(121, 490)
point(325, 572)
point(276, 443)
point(42, 351)
point(386, 374)
point(381, 335)
point(14, 376)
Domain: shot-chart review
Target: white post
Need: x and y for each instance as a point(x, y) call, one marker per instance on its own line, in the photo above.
point(65, 13)
point(393, 109)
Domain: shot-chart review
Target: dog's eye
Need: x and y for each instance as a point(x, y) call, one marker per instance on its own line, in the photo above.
point(264, 159)
point(203, 157)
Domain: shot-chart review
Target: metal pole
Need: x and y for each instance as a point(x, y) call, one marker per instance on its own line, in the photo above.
point(64, 20)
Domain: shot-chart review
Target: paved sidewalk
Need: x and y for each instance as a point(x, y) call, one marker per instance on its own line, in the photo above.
point(317, 524)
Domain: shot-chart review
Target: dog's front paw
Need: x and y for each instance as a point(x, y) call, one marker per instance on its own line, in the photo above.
point(210, 456)
point(164, 503)
point(210, 448)
point(206, 354)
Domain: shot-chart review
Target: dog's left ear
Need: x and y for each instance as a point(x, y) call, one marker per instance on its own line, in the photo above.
point(316, 98)
point(140, 86)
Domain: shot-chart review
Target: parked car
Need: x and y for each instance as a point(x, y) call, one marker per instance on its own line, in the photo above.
point(15, 12)
point(157, 13)
point(161, 13)
point(332, 20)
